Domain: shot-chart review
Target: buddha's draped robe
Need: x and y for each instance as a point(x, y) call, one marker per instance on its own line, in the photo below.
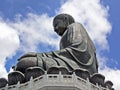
point(76, 51)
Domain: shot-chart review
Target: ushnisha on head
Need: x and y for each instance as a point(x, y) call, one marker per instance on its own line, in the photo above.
point(61, 22)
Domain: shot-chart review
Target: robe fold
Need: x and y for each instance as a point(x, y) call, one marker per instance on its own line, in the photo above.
point(76, 51)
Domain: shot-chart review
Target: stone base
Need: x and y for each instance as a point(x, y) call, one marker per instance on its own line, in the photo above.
point(55, 82)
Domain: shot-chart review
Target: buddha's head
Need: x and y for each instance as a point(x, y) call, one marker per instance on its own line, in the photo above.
point(61, 22)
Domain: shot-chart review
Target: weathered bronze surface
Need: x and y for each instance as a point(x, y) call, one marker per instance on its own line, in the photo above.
point(76, 49)
point(3, 82)
point(33, 72)
point(15, 77)
point(97, 79)
point(108, 84)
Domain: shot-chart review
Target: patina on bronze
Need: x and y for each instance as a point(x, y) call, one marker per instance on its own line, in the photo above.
point(76, 49)
point(3, 82)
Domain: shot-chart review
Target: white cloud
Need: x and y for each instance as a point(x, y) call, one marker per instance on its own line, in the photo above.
point(93, 16)
point(25, 35)
point(35, 30)
point(109, 73)
point(9, 42)
point(113, 75)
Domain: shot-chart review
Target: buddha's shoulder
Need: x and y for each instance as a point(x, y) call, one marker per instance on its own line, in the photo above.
point(75, 24)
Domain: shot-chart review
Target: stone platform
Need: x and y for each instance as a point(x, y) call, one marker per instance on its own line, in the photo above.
point(55, 82)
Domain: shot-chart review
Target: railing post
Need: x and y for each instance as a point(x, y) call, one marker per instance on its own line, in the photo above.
point(18, 85)
point(74, 77)
point(31, 83)
point(6, 87)
point(60, 76)
point(88, 84)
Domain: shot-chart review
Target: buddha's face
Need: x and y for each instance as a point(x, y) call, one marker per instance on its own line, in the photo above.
point(59, 26)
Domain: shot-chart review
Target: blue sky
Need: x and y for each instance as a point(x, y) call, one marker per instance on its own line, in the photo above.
point(113, 38)
point(26, 25)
